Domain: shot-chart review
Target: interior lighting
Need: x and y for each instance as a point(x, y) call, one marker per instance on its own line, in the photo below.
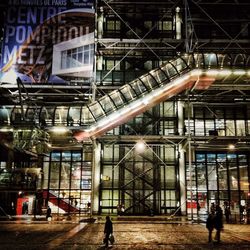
point(155, 93)
point(6, 129)
point(231, 146)
point(212, 72)
point(59, 129)
point(225, 72)
point(113, 117)
point(136, 104)
point(140, 146)
point(146, 100)
point(91, 129)
point(239, 72)
point(196, 72)
point(104, 122)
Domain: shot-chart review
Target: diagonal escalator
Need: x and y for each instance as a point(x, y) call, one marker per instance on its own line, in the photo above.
point(187, 72)
point(65, 205)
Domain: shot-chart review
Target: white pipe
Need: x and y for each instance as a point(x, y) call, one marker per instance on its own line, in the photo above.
point(178, 23)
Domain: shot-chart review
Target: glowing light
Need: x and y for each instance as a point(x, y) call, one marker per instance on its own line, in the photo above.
point(6, 129)
point(146, 100)
point(103, 122)
point(225, 72)
point(212, 72)
point(239, 72)
point(91, 129)
point(59, 130)
point(196, 72)
point(231, 146)
point(140, 146)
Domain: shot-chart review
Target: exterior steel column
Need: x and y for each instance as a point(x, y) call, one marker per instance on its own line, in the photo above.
point(181, 130)
point(96, 163)
point(182, 179)
point(183, 193)
point(178, 23)
point(100, 20)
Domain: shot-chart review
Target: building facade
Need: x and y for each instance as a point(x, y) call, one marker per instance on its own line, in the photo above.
point(145, 106)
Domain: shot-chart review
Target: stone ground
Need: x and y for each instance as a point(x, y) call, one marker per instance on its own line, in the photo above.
point(129, 234)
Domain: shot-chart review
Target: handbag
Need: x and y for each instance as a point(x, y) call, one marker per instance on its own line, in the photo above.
point(112, 239)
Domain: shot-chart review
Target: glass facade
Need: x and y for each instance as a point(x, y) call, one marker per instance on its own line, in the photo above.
point(143, 182)
point(63, 181)
point(220, 178)
point(229, 120)
point(186, 108)
point(67, 181)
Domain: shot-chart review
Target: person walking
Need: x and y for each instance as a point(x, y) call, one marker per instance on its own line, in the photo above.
point(48, 214)
point(210, 225)
point(218, 222)
point(108, 231)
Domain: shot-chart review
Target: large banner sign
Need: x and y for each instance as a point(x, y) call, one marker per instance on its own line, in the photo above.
point(36, 31)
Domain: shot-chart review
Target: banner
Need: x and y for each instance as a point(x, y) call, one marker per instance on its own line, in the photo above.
point(34, 29)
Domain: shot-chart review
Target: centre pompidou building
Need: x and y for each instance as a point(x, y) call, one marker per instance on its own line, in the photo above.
point(135, 104)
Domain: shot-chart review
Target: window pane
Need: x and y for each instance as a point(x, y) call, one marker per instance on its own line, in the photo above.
point(212, 176)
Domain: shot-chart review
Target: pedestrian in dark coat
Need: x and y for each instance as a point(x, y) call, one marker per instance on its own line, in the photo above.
point(108, 230)
point(218, 222)
point(210, 225)
point(48, 213)
point(227, 213)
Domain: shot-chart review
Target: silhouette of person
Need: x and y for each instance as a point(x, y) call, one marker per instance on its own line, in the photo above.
point(48, 214)
point(108, 230)
point(212, 208)
point(227, 213)
point(118, 209)
point(210, 225)
point(218, 222)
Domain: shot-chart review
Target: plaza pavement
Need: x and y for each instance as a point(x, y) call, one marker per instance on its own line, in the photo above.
point(130, 233)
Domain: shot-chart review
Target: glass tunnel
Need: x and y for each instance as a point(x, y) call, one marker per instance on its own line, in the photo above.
point(189, 71)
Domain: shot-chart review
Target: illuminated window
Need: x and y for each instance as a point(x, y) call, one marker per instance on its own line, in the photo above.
point(77, 57)
point(113, 25)
point(165, 25)
point(112, 65)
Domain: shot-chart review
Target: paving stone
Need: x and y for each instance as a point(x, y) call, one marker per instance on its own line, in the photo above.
point(138, 235)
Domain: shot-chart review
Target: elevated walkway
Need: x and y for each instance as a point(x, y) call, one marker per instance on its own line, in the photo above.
point(187, 72)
